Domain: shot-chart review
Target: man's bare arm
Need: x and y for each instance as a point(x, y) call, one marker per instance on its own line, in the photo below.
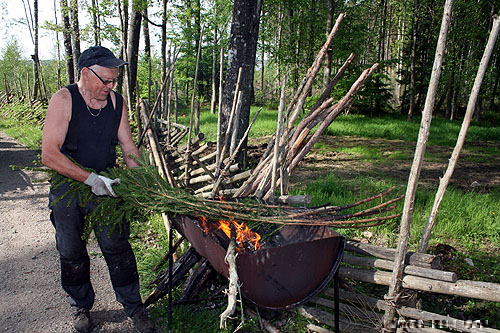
point(54, 133)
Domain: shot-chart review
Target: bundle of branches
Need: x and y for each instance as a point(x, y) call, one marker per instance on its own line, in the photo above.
point(143, 189)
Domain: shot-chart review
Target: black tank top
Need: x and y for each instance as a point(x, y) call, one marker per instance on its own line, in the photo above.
point(91, 139)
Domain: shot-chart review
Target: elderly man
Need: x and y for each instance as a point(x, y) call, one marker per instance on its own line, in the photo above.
point(85, 121)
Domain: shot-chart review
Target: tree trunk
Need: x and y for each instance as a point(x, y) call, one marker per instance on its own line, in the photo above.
point(404, 233)
point(214, 72)
point(495, 87)
point(75, 35)
point(411, 110)
point(95, 22)
point(133, 49)
point(164, 58)
point(241, 53)
point(443, 184)
point(454, 98)
point(147, 39)
point(328, 59)
point(262, 55)
point(59, 83)
point(68, 51)
point(123, 78)
point(36, 69)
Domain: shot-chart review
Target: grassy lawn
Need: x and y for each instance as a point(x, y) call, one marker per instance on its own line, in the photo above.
point(362, 156)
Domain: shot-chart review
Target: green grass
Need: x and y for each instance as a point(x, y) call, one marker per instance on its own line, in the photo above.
point(27, 134)
point(442, 133)
point(469, 221)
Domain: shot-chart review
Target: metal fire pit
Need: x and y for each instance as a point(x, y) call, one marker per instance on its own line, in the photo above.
point(276, 277)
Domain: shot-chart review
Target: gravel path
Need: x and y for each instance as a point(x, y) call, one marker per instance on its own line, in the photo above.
point(31, 299)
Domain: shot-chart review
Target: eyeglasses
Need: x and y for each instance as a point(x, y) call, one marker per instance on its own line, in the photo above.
point(105, 82)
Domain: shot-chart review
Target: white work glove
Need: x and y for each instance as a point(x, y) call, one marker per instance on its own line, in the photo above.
point(101, 185)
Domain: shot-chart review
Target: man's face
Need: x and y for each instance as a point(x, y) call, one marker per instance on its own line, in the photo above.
point(101, 80)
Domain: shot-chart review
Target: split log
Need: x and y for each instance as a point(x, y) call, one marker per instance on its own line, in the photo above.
point(429, 273)
point(423, 330)
point(412, 258)
point(224, 145)
point(473, 289)
point(175, 125)
point(317, 329)
point(294, 199)
point(233, 179)
point(277, 136)
point(181, 267)
point(196, 280)
point(211, 168)
point(223, 193)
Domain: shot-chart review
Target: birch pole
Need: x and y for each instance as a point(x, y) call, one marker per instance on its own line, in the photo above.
point(392, 295)
point(277, 136)
point(443, 183)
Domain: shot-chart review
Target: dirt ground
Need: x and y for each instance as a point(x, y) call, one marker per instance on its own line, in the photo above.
point(31, 297)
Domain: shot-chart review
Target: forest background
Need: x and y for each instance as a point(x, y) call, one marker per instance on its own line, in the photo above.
point(400, 35)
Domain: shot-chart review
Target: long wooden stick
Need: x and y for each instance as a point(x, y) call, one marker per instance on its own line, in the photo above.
point(473, 289)
point(148, 122)
point(313, 71)
point(344, 102)
point(404, 233)
point(443, 184)
point(220, 156)
point(430, 273)
point(195, 85)
point(277, 137)
point(219, 118)
point(233, 155)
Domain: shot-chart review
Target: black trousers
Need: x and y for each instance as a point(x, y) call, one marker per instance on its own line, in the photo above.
point(68, 220)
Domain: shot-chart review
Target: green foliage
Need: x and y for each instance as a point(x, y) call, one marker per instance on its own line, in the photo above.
point(13, 67)
point(21, 121)
point(29, 135)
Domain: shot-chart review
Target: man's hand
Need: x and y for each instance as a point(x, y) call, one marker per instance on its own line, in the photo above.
point(101, 185)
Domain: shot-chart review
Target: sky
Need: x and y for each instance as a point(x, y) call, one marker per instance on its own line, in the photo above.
point(13, 26)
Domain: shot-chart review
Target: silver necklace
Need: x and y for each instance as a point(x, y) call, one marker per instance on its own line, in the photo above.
point(94, 115)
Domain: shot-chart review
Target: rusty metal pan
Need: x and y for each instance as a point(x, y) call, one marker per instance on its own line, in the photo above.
point(279, 276)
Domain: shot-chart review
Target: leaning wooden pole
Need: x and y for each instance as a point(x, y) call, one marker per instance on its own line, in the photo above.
point(195, 86)
point(277, 138)
point(443, 184)
point(404, 232)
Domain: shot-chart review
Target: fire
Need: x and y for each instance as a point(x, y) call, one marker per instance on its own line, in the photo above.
point(244, 235)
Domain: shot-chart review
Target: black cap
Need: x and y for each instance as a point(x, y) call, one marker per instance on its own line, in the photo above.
point(99, 55)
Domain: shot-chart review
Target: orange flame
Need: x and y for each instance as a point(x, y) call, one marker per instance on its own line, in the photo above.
point(244, 235)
